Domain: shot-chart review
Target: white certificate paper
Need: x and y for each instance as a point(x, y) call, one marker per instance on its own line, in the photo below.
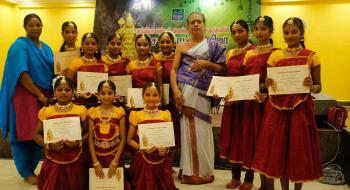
point(114, 183)
point(62, 59)
point(166, 88)
point(156, 135)
point(237, 88)
point(122, 82)
point(288, 79)
point(65, 128)
point(88, 81)
point(135, 99)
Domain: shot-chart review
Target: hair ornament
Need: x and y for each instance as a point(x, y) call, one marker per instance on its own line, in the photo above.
point(262, 19)
point(143, 37)
point(291, 20)
point(70, 23)
point(89, 35)
point(118, 36)
point(56, 78)
point(105, 84)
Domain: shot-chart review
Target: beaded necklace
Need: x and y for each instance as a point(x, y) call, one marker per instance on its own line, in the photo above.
point(63, 108)
point(243, 49)
point(110, 59)
point(66, 48)
point(89, 61)
point(143, 63)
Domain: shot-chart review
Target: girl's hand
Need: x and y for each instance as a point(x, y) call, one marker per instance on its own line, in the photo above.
point(260, 97)
point(112, 170)
point(268, 82)
point(149, 151)
point(71, 144)
point(57, 145)
point(308, 82)
point(99, 172)
point(162, 151)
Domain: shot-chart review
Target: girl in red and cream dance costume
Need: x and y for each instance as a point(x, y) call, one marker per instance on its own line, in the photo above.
point(288, 145)
point(151, 169)
point(255, 62)
point(63, 166)
point(90, 61)
point(115, 62)
point(145, 68)
point(230, 142)
point(113, 58)
point(165, 57)
point(107, 136)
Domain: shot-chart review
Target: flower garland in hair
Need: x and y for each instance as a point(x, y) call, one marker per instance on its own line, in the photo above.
point(55, 79)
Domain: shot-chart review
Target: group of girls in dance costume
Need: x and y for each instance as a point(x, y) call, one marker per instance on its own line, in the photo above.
point(105, 125)
point(274, 135)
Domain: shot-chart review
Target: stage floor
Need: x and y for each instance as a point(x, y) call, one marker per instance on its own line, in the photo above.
point(10, 180)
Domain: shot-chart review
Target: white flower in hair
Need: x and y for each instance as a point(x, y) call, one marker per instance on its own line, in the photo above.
point(55, 79)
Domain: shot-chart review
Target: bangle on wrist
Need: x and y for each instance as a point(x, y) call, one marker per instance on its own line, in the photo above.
point(114, 163)
point(95, 164)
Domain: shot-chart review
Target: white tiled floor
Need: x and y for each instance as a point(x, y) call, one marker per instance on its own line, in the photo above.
point(10, 180)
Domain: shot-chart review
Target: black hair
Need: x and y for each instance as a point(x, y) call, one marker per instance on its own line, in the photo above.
point(90, 35)
point(115, 35)
point(299, 23)
point(64, 26)
point(148, 38)
point(110, 83)
point(68, 81)
point(28, 17)
point(149, 84)
point(195, 12)
point(241, 22)
point(268, 22)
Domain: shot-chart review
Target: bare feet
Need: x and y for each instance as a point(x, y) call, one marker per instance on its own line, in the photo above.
point(246, 186)
point(233, 184)
point(32, 179)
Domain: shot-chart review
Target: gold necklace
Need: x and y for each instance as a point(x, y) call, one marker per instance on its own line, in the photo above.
point(63, 108)
point(167, 56)
point(69, 48)
point(105, 123)
point(294, 50)
point(89, 61)
point(243, 49)
point(143, 63)
point(150, 111)
point(260, 47)
point(110, 59)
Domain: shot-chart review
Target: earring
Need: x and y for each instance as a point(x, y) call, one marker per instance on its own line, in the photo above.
point(98, 101)
point(81, 50)
point(114, 100)
point(96, 51)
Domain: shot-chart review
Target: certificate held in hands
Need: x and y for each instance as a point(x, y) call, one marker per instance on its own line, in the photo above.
point(156, 135)
point(114, 183)
point(88, 81)
point(288, 79)
point(62, 59)
point(236, 88)
point(65, 128)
